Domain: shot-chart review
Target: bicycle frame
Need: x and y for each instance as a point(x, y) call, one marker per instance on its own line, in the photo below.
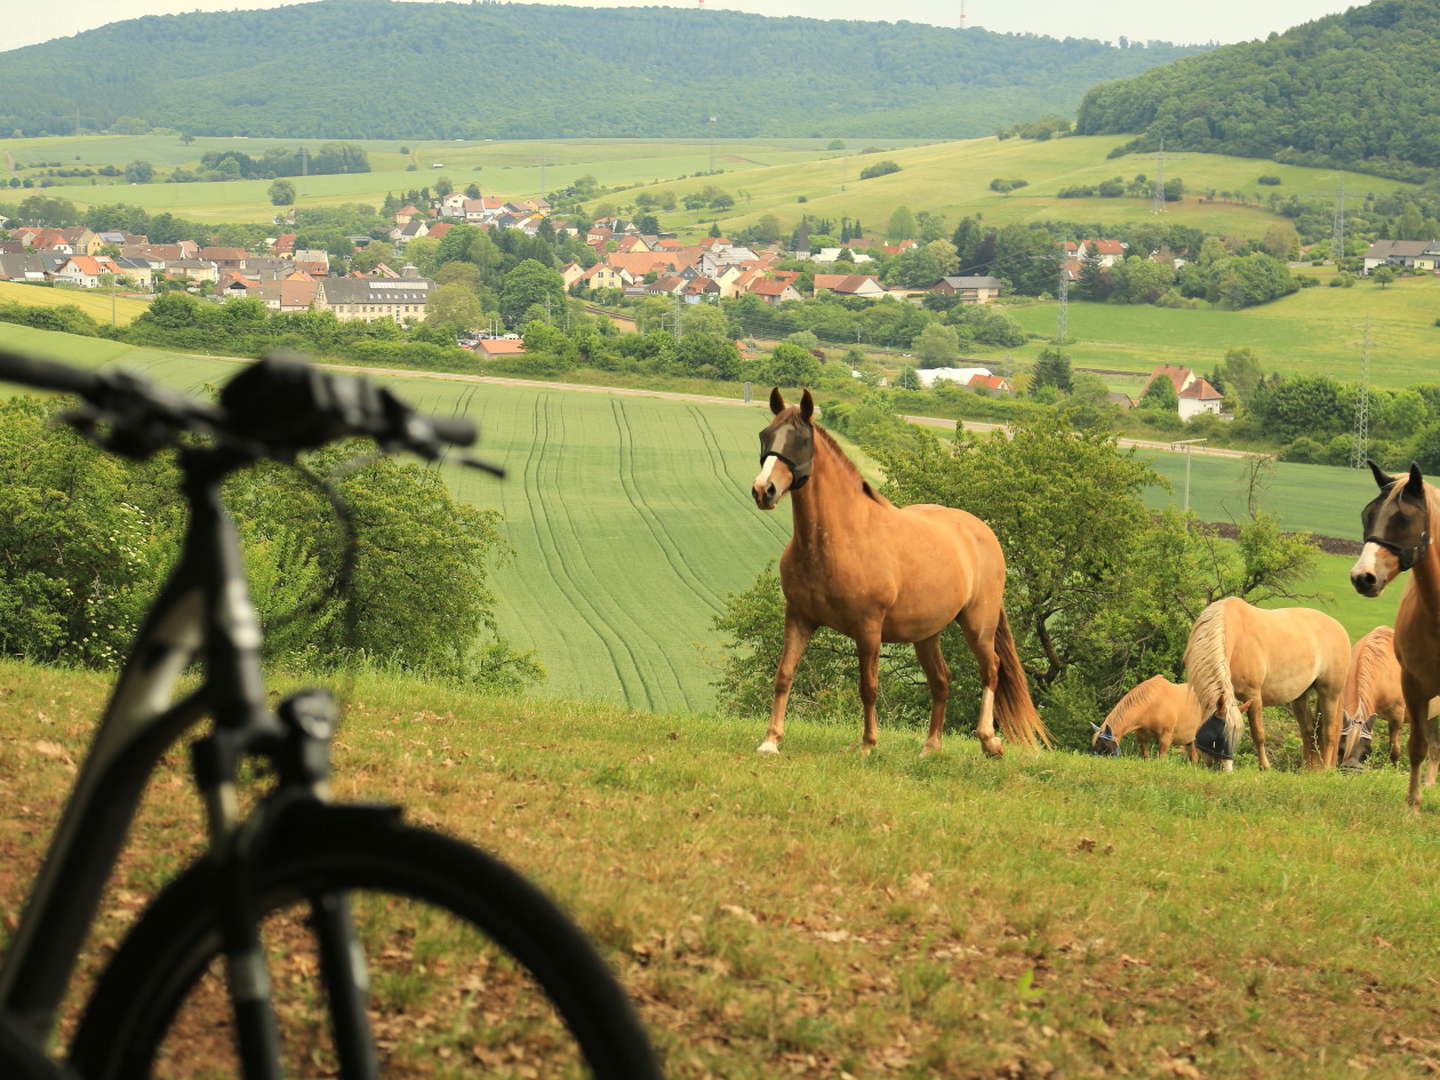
point(204, 607)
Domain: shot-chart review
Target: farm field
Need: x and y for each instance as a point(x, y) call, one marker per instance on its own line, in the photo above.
point(1312, 332)
point(631, 521)
point(1049, 914)
point(953, 178)
point(94, 303)
point(505, 168)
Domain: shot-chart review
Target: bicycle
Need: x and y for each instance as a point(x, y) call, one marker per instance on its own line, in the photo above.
point(296, 846)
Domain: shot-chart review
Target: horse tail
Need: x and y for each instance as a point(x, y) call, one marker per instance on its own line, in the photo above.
point(1207, 666)
point(1014, 711)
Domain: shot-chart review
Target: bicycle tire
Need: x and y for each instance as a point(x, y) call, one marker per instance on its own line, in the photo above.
point(163, 958)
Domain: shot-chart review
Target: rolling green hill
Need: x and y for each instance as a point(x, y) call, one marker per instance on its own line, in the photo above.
point(631, 521)
point(373, 69)
point(1358, 89)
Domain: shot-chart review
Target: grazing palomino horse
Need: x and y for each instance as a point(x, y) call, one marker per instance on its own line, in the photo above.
point(1159, 712)
point(876, 572)
point(1399, 523)
point(1238, 653)
point(1372, 689)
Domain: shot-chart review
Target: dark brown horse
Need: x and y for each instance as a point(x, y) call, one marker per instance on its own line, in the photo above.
point(1399, 524)
point(876, 573)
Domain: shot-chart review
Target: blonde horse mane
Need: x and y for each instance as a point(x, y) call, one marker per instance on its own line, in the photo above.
point(1208, 669)
point(1375, 648)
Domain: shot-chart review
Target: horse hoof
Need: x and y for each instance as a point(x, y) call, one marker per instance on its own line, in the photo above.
point(927, 750)
point(767, 747)
point(993, 747)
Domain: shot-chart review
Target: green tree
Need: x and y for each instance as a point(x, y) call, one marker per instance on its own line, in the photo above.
point(902, 225)
point(531, 283)
point(1160, 396)
point(1242, 373)
point(1383, 275)
point(1052, 369)
point(790, 366)
point(456, 305)
point(937, 345)
point(908, 379)
point(139, 172)
point(282, 193)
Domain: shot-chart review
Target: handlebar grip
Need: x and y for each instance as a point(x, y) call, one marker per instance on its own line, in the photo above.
point(48, 375)
point(455, 430)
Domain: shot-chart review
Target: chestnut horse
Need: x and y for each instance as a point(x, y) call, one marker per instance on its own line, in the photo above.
point(1238, 652)
point(876, 573)
point(1372, 690)
point(1399, 523)
point(1159, 712)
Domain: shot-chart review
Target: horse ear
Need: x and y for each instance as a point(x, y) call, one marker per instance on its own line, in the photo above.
point(1415, 486)
point(1094, 726)
point(807, 406)
point(777, 401)
point(1382, 478)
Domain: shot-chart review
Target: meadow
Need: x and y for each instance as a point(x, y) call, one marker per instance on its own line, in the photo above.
point(99, 305)
point(820, 914)
point(953, 179)
point(1315, 331)
point(631, 521)
point(510, 168)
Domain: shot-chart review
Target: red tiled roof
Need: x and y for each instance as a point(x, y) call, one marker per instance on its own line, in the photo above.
point(842, 283)
point(989, 382)
point(1109, 247)
point(500, 347)
point(768, 287)
point(1202, 391)
point(1176, 375)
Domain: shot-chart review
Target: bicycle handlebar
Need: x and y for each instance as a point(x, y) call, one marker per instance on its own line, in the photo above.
point(273, 408)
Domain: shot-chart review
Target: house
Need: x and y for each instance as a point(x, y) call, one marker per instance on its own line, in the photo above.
point(601, 276)
point(440, 229)
point(233, 284)
point(570, 273)
point(81, 240)
point(896, 249)
point(1109, 252)
point(971, 290)
point(291, 294)
point(371, 299)
point(27, 266)
point(493, 347)
point(86, 271)
point(1124, 401)
point(194, 269)
point(829, 255)
point(863, 285)
point(1180, 377)
point(995, 385)
point(316, 261)
point(666, 285)
point(284, 244)
point(627, 244)
point(453, 205)
point(119, 237)
point(640, 263)
point(773, 291)
point(1200, 397)
point(1402, 253)
point(1070, 249)
point(700, 288)
point(403, 234)
point(406, 214)
point(225, 258)
point(960, 376)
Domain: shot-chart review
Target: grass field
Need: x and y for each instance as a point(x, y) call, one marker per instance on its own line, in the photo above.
point(1313, 331)
point(96, 304)
point(953, 178)
point(823, 915)
point(510, 169)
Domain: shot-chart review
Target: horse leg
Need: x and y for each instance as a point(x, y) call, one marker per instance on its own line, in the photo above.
point(1163, 749)
point(797, 636)
point(937, 674)
point(1256, 711)
point(1192, 754)
point(1328, 717)
point(1142, 743)
point(1397, 721)
point(1434, 753)
point(981, 639)
point(1309, 754)
point(867, 648)
point(1417, 706)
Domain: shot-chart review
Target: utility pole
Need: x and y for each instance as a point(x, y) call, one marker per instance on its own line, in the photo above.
point(1361, 453)
point(1337, 244)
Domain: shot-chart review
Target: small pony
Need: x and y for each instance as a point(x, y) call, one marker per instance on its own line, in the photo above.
point(1160, 713)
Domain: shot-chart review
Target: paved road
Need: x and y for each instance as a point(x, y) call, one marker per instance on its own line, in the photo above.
point(708, 399)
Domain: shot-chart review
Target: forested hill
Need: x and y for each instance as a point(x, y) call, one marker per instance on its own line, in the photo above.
point(372, 69)
point(1360, 89)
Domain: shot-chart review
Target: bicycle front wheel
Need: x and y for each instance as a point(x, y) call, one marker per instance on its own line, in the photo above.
point(472, 970)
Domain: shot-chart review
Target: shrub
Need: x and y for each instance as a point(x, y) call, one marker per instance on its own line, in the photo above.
point(1270, 180)
point(880, 168)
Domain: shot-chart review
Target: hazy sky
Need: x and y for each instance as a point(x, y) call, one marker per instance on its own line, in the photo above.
point(1218, 20)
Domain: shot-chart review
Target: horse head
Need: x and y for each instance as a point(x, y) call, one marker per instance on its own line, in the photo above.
point(787, 450)
point(1355, 739)
point(1103, 742)
point(1397, 531)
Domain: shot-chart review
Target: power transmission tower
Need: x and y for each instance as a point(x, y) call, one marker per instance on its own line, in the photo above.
point(1361, 452)
point(1062, 316)
point(1337, 243)
point(1157, 204)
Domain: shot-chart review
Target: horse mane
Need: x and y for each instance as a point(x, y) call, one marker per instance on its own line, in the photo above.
point(1208, 669)
point(848, 466)
point(1374, 649)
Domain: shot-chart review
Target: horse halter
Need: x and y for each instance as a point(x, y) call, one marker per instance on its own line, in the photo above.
point(795, 442)
point(1107, 740)
point(1407, 556)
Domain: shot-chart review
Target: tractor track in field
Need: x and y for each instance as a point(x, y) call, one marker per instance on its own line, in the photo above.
point(638, 630)
point(716, 454)
point(546, 540)
point(630, 484)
